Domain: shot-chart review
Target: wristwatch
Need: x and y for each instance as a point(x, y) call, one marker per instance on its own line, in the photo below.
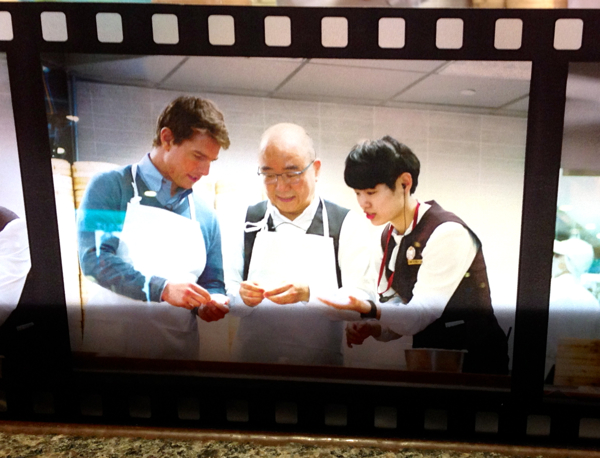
point(371, 313)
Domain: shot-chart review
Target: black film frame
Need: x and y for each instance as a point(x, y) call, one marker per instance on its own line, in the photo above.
point(47, 358)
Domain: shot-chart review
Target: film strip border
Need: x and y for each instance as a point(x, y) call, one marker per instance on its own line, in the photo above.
point(334, 32)
point(550, 38)
point(296, 408)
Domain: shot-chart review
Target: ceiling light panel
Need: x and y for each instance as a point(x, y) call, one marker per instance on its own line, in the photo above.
point(347, 82)
point(421, 66)
point(445, 90)
point(145, 71)
point(249, 76)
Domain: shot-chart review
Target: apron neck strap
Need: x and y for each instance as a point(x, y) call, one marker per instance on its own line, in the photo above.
point(137, 198)
point(261, 225)
point(136, 194)
point(325, 218)
point(192, 207)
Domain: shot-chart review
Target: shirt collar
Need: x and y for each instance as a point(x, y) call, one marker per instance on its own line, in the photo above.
point(150, 173)
point(303, 221)
point(422, 209)
point(159, 184)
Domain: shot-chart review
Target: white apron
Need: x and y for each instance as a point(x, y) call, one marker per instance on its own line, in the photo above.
point(293, 333)
point(156, 242)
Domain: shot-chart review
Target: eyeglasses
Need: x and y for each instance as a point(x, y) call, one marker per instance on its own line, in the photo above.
point(288, 177)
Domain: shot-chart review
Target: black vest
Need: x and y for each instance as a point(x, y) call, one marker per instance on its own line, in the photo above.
point(335, 216)
point(468, 321)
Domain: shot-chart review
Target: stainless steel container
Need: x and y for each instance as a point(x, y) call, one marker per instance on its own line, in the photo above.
point(432, 359)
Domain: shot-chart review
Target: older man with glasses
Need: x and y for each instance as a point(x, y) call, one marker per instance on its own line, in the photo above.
point(296, 247)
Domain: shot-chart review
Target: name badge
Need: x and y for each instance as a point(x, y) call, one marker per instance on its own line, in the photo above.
point(410, 257)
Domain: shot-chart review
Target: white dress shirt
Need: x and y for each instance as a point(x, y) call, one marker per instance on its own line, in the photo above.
point(449, 253)
point(14, 265)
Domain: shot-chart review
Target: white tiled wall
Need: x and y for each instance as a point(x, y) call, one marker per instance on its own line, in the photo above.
point(471, 164)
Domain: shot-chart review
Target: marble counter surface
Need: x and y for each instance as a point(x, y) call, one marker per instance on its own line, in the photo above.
point(47, 446)
point(25, 440)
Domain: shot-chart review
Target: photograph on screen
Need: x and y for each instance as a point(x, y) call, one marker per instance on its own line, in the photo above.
point(414, 170)
point(574, 316)
point(15, 261)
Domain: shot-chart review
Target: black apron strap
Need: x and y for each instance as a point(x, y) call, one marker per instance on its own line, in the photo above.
point(254, 214)
point(335, 216)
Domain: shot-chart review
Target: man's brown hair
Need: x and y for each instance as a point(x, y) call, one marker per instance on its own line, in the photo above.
point(185, 114)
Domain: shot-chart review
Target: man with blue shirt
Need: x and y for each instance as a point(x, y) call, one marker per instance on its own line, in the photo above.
point(151, 246)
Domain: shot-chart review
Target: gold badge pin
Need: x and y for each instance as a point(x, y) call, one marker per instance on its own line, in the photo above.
point(410, 257)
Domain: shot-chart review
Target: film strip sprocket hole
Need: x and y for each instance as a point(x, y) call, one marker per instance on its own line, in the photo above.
point(334, 31)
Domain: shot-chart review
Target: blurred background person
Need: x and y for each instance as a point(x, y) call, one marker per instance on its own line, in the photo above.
point(574, 311)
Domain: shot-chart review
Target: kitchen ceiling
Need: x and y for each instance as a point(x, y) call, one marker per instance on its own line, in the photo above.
point(470, 86)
